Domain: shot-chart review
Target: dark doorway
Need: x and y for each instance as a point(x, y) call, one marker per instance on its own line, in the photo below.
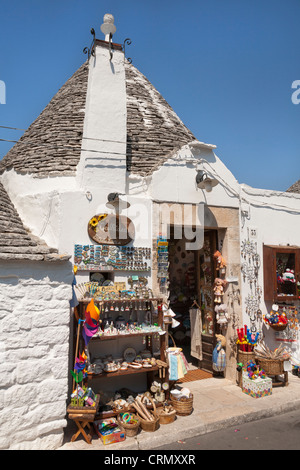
point(206, 273)
point(190, 280)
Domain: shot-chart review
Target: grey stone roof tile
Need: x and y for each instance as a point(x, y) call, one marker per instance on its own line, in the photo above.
point(295, 188)
point(154, 131)
point(52, 143)
point(16, 243)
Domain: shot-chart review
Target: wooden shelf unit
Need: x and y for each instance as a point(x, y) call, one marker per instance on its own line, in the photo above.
point(119, 373)
point(129, 371)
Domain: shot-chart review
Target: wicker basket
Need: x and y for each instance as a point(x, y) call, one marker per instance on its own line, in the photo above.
point(271, 366)
point(184, 406)
point(150, 426)
point(166, 418)
point(277, 327)
point(245, 357)
point(131, 430)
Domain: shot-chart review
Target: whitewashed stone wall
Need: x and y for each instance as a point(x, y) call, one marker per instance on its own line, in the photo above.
point(34, 346)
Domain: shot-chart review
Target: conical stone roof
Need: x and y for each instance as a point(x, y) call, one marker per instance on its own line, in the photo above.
point(51, 145)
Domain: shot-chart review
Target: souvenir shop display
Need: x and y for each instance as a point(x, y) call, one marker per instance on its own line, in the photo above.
point(276, 318)
point(121, 332)
point(262, 351)
point(82, 397)
point(112, 258)
point(84, 402)
point(281, 265)
point(109, 431)
point(83, 417)
point(162, 262)
point(273, 362)
point(107, 321)
point(291, 332)
point(110, 290)
point(257, 386)
point(177, 362)
point(219, 355)
point(286, 282)
point(130, 360)
point(246, 340)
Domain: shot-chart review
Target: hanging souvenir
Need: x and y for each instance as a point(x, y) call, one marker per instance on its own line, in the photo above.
point(221, 263)
point(219, 355)
point(219, 286)
point(221, 314)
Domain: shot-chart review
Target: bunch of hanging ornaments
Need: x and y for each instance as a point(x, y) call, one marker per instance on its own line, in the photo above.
point(219, 288)
point(250, 269)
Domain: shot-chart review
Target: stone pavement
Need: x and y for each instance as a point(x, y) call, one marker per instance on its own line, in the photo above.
point(218, 403)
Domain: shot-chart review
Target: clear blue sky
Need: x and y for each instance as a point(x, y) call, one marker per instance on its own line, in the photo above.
point(226, 68)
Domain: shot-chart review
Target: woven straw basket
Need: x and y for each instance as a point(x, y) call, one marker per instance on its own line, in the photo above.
point(131, 430)
point(150, 426)
point(277, 327)
point(166, 418)
point(184, 406)
point(271, 366)
point(245, 357)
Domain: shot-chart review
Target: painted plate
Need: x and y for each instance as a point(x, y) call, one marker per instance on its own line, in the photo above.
point(97, 277)
point(129, 354)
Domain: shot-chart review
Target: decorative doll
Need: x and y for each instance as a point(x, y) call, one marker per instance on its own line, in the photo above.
point(219, 285)
point(221, 263)
point(289, 275)
point(219, 355)
point(221, 314)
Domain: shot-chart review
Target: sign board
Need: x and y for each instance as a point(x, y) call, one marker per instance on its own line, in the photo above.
point(111, 229)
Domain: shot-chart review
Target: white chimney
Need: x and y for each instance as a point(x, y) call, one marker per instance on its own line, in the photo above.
point(102, 165)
